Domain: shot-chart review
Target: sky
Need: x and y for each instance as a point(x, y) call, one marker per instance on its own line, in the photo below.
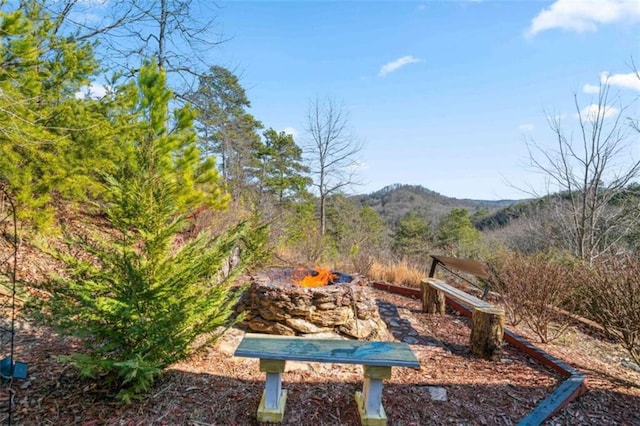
point(442, 94)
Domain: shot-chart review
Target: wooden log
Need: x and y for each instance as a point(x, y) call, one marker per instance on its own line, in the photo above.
point(487, 330)
point(433, 301)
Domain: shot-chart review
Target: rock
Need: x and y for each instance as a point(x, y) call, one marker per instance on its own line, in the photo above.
point(437, 393)
point(303, 326)
point(273, 313)
point(263, 326)
point(360, 329)
point(229, 341)
point(338, 316)
point(326, 306)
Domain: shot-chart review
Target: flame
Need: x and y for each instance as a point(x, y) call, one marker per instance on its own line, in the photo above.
point(319, 278)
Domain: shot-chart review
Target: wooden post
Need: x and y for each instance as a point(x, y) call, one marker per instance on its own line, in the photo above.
point(369, 401)
point(434, 264)
point(274, 398)
point(433, 301)
point(487, 330)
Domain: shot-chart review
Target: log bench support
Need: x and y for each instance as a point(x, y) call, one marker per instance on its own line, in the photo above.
point(487, 324)
point(377, 358)
point(487, 331)
point(433, 300)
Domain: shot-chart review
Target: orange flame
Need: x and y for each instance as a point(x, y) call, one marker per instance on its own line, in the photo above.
point(320, 279)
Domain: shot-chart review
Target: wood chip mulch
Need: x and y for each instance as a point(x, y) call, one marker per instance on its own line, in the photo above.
point(215, 388)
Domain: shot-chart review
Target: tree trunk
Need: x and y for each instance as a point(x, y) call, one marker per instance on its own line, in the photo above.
point(433, 301)
point(487, 330)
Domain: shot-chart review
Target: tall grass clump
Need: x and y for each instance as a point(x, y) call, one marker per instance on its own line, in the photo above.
point(400, 272)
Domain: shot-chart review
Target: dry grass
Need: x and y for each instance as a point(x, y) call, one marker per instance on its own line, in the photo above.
point(401, 273)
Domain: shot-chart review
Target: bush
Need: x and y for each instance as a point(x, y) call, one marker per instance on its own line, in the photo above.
point(612, 298)
point(535, 289)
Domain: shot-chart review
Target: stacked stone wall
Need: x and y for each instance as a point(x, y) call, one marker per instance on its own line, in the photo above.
point(287, 309)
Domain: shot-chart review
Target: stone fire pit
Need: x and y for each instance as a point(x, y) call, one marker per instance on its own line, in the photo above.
point(275, 305)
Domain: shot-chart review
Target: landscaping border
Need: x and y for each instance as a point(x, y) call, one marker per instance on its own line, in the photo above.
point(572, 387)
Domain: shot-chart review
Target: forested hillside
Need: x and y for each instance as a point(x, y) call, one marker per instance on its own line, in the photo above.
point(395, 201)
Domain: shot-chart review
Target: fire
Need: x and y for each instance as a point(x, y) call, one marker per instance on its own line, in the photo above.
point(320, 277)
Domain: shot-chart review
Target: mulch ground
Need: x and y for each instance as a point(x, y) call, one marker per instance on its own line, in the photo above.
point(215, 388)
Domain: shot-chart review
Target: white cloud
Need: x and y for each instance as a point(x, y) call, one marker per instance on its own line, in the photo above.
point(393, 66)
point(584, 15)
point(625, 81)
point(93, 90)
point(594, 111)
point(591, 89)
point(291, 131)
point(526, 127)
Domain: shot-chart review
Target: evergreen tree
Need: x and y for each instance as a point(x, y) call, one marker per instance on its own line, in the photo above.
point(282, 172)
point(226, 129)
point(357, 232)
point(456, 234)
point(40, 71)
point(143, 300)
point(412, 237)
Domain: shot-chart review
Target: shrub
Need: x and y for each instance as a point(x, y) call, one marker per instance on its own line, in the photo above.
point(535, 289)
point(612, 298)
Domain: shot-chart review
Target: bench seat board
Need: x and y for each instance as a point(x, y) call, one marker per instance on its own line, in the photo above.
point(457, 294)
point(262, 346)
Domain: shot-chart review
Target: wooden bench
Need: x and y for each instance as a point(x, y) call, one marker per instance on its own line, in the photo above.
point(377, 358)
point(487, 320)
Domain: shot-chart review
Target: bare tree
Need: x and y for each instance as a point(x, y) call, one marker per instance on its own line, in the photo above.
point(591, 174)
point(126, 32)
point(332, 150)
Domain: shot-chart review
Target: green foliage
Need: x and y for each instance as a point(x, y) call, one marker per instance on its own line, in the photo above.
point(302, 236)
point(39, 73)
point(139, 298)
point(457, 235)
point(282, 172)
point(226, 129)
point(357, 233)
point(412, 238)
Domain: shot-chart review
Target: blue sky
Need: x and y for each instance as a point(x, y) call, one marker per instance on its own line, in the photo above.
point(441, 93)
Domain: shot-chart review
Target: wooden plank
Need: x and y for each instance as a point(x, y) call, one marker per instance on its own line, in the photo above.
point(560, 397)
point(396, 289)
point(479, 269)
point(538, 354)
point(457, 294)
point(327, 350)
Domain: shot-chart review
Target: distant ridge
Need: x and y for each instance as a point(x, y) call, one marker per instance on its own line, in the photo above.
point(394, 201)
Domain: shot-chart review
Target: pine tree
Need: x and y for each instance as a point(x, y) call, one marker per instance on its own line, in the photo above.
point(226, 129)
point(40, 72)
point(143, 301)
point(282, 172)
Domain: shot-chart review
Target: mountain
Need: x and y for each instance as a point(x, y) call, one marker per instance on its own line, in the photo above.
point(394, 201)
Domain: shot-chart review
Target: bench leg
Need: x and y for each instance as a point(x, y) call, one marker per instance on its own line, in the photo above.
point(370, 399)
point(487, 331)
point(433, 301)
point(274, 398)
